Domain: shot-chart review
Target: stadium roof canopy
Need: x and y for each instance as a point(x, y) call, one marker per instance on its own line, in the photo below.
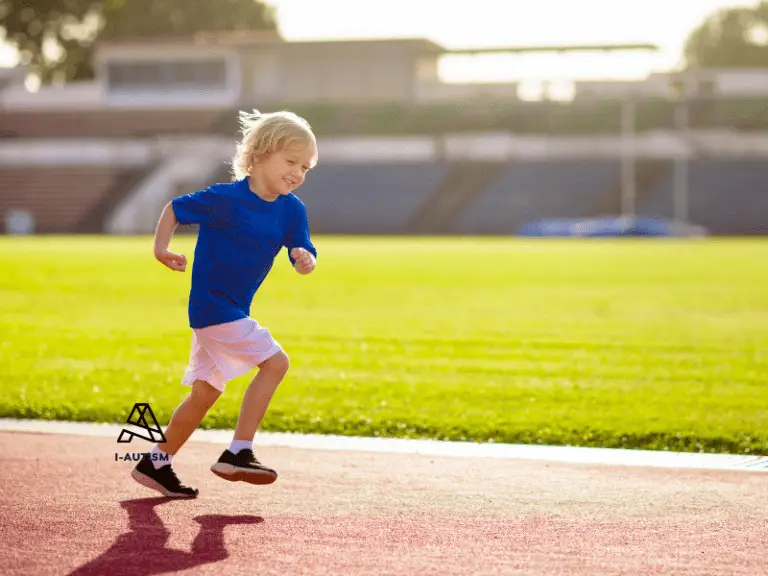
point(250, 38)
point(555, 48)
point(420, 45)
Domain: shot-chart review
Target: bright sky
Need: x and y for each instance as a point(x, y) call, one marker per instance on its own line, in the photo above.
point(490, 23)
point(483, 23)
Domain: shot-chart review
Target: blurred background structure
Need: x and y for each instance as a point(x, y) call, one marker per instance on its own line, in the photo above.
point(113, 108)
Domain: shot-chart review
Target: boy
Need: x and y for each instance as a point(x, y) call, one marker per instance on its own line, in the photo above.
point(243, 226)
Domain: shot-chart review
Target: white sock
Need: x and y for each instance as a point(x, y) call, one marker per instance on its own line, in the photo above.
point(160, 458)
point(238, 445)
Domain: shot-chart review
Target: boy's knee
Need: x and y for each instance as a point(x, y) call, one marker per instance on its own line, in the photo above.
point(278, 363)
point(205, 394)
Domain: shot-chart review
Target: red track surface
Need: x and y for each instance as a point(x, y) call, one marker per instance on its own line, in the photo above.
point(66, 507)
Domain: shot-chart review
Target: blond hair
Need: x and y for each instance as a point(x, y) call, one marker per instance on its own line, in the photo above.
point(268, 133)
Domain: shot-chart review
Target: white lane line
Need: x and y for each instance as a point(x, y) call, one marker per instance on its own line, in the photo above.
point(569, 454)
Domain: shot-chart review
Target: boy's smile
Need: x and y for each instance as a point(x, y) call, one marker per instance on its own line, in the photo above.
point(282, 172)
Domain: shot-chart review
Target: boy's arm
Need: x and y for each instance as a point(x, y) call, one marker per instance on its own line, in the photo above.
point(166, 226)
point(301, 251)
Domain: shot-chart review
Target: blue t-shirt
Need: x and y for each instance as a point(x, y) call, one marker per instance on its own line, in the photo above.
point(240, 235)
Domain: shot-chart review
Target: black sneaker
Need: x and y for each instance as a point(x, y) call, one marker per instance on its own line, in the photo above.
point(243, 467)
point(164, 479)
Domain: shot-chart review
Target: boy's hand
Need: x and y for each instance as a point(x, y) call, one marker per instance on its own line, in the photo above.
point(305, 261)
point(174, 261)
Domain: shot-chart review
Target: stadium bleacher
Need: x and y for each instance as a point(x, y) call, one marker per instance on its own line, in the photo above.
point(483, 164)
point(63, 200)
point(107, 123)
point(727, 196)
point(368, 198)
point(533, 190)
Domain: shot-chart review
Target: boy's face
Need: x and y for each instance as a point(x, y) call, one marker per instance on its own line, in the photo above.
point(282, 172)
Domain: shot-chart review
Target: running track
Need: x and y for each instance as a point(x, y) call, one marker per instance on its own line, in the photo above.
point(68, 508)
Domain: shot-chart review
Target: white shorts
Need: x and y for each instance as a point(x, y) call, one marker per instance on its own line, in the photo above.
point(225, 351)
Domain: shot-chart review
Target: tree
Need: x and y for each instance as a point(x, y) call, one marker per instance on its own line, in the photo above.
point(55, 38)
point(730, 38)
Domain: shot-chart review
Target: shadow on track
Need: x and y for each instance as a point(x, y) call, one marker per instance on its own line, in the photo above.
point(142, 551)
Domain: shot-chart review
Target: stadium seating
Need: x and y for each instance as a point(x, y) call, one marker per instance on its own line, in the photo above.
point(544, 189)
point(368, 198)
point(726, 196)
point(107, 123)
point(62, 199)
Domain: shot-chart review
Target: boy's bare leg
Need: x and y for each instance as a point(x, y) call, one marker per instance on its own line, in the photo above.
point(188, 415)
point(239, 463)
point(259, 394)
point(156, 473)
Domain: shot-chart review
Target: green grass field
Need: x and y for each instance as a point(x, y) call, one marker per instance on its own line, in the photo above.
point(644, 344)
